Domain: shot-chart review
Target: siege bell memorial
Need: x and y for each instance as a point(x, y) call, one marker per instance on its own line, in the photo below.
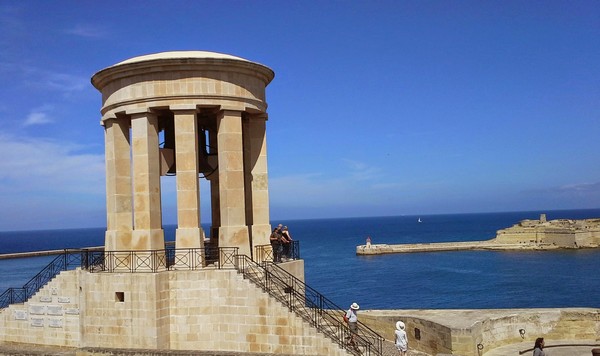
point(190, 113)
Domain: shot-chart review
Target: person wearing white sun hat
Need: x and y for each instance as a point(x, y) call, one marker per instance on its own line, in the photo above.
point(401, 339)
point(352, 317)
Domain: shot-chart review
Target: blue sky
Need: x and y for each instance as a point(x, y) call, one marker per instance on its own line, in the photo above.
point(377, 107)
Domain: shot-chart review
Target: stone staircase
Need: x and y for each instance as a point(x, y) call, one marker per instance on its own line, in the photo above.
point(312, 307)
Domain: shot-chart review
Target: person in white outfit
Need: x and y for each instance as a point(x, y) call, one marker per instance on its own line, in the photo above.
point(352, 317)
point(401, 339)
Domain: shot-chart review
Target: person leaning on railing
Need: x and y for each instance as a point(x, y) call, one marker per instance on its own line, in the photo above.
point(275, 240)
point(286, 240)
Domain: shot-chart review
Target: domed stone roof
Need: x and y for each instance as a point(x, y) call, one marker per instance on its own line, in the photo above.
point(180, 55)
point(177, 60)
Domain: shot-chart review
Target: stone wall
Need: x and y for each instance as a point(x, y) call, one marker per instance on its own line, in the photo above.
point(459, 332)
point(126, 310)
point(178, 310)
point(50, 317)
point(553, 324)
point(219, 310)
point(433, 337)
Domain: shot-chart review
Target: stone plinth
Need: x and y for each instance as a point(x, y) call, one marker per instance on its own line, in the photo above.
point(206, 310)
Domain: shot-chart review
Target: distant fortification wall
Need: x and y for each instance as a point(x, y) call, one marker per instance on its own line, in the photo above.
point(560, 233)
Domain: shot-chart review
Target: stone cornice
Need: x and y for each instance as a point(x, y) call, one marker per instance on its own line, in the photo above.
point(182, 65)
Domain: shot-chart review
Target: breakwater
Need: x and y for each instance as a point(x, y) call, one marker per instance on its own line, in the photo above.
point(380, 249)
point(5, 256)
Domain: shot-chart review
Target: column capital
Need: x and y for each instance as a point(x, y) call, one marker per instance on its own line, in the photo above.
point(108, 120)
point(226, 112)
point(258, 116)
point(183, 107)
point(140, 112)
point(113, 117)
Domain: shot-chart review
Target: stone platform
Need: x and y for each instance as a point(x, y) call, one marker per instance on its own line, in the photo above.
point(496, 331)
point(26, 349)
point(553, 347)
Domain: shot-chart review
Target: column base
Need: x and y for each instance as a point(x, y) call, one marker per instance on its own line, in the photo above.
point(189, 238)
point(235, 236)
point(189, 249)
point(151, 239)
point(115, 240)
point(149, 247)
point(261, 245)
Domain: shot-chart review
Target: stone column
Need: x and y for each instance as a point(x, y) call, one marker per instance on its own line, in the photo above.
point(189, 233)
point(148, 233)
point(233, 231)
point(118, 185)
point(257, 178)
point(215, 202)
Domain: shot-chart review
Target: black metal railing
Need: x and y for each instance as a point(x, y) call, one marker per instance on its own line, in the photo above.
point(264, 253)
point(310, 305)
point(69, 259)
point(162, 260)
point(97, 260)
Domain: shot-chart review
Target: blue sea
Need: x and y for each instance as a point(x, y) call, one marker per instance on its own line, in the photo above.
point(434, 280)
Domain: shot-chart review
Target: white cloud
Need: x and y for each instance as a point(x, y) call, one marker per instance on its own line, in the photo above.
point(580, 188)
point(361, 171)
point(37, 118)
point(49, 167)
point(59, 171)
point(360, 183)
point(316, 190)
point(43, 178)
point(572, 190)
point(34, 77)
point(87, 31)
point(66, 83)
point(567, 196)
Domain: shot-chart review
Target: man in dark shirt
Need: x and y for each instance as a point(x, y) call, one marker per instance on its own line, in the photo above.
point(275, 240)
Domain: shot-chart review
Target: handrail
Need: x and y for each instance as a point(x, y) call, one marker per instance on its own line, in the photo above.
point(70, 258)
point(310, 305)
point(169, 259)
point(95, 260)
point(263, 253)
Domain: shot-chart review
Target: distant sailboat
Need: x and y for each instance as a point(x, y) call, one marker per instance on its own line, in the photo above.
point(419, 220)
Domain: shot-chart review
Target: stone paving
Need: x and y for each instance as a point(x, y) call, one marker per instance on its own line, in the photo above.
point(553, 348)
point(38, 350)
point(28, 349)
point(389, 349)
